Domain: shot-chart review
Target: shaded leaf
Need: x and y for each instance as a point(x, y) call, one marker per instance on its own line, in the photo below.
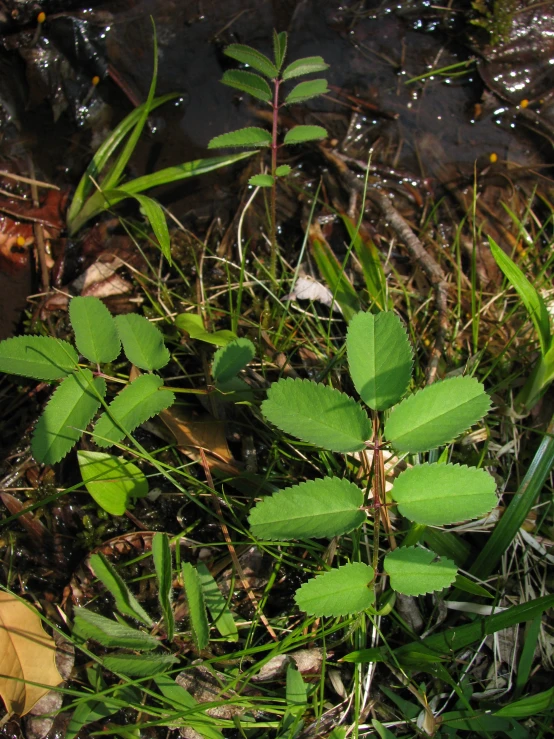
point(297, 690)
point(197, 608)
point(248, 82)
point(370, 261)
point(96, 334)
point(531, 705)
point(111, 480)
point(95, 710)
point(110, 633)
point(180, 699)
point(338, 592)
point(333, 273)
point(437, 414)
point(40, 357)
point(307, 65)
point(317, 414)
point(300, 134)
point(193, 324)
point(230, 359)
point(279, 48)
point(305, 91)
point(235, 390)
point(325, 507)
point(125, 601)
point(217, 605)
point(415, 571)
point(252, 57)
point(143, 342)
point(161, 554)
point(261, 180)
point(251, 136)
point(140, 665)
point(155, 216)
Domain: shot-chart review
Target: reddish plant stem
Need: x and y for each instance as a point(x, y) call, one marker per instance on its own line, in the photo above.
point(378, 484)
point(273, 211)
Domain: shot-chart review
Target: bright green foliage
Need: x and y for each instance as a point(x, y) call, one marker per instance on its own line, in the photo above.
point(142, 341)
point(251, 83)
point(97, 710)
point(134, 405)
point(197, 607)
point(261, 180)
point(317, 414)
point(96, 335)
point(319, 508)
point(305, 91)
point(229, 360)
point(279, 48)
point(139, 665)
point(437, 414)
point(161, 554)
point(153, 212)
point(251, 136)
point(254, 59)
point(192, 323)
point(67, 414)
point(180, 699)
point(110, 633)
point(125, 601)
point(283, 170)
point(301, 134)
point(333, 273)
point(39, 357)
point(370, 262)
point(297, 690)
point(438, 494)
point(111, 481)
point(308, 65)
point(416, 571)
point(215, 603)
point(338, 592)
point(379, 358)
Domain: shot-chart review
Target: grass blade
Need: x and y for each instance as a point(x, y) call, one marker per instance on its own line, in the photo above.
point(161, 554)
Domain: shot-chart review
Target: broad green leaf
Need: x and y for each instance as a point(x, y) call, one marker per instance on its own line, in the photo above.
point(317, 414)
point(40, 357)
point(338, 592)
point(326, 507)
point(140, 665)
point(261, 180)
point(415, 571)
point(161, 554)
point(134, 405)
point(95, 332)
point(306, 91)
point(235, 390)
point(110, 633)
point(217, 605)
point(308, 65)
point(370, 261)
point(379, 358)
point(248, 82)
point(69, 411)
point(283, 170)
point(152, 211)
point(143, 342)
point(333, 273)
point(197, 607)
point(192, 323)
point(279, 48)
point(230, 359)
point(111, 481)
point(437, 414)
point(297, 690)
point(437, 494)
point(531, 299)
point(125, 601)
point(251, 136)
point(300, 134)
point(252, 57)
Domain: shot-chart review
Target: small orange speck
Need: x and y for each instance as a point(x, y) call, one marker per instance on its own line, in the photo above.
point(41, 17)
point(95, 80)
point(493, 157)
point(524, 103)
point(20, 241)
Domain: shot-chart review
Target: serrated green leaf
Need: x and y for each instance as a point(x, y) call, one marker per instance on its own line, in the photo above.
point(230, 359)
point(251, 136)
point(283, 170)
point(143, 342)
point(96, 335)
point(140, 665)
point(248, 82)
point(197, 607)
point(338, 592)
point(125, 601)
point(437, 414)
point(111, 481)
point(300, 134)
point(308, 65)
point(261, 180)
point(161, 554)
point(438, 494)
point(279, 48)
point(110, 633)
point(307, 90)
point(216, 604)
point(252, 57)
point(326, 507)
point(317, 414)
point(134, 405)
point(379, 358)
point(40, 357)
point(192, 323)
point(415, 571)
point(69, 411)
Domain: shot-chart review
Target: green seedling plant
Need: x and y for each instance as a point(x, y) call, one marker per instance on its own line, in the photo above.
point(267, 87)
point(427, 494)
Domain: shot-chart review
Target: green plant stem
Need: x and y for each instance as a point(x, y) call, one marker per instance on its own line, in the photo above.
point(273, 212)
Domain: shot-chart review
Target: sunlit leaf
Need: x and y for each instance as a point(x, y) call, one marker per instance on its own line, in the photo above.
point(143, 342)
point(308, 65)
point(94, 709)
point(279, 47)
point(261, 180)
point(415, 571)
point(252, 57)
point(111, 481)
point(230, 359)
point(300, 134)
point(283, 170)
point(251, 136)
point(216, 604)
point(248, 82)
point(197, 607)
point(370, 261)
point(296, 690)
point(140, 665)
point(338, 592)
point(154, 214)
point(161, 554)
point(96, 335)
point(110, 633)
point(193, 324)
point(333, 273)
point(40, 357)
point(305, 91)
point(125, 601)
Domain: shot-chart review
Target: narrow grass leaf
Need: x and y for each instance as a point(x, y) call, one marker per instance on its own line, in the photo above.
point(437, 414)
point(261, 180)
point(181, 700)
point(381, 730)
point(67, 414)
point(193, 324)
point(379, 358)
point(469, 586)
point(438, 494)
point(140, 665)
point(248, 82)
point(527, 658)
point(529, 706)
point(251, 136)
point(87, 712)
point(317, 414)
point(326, 507)
point(415, 571)
point(143, 342)
point(338, 592)
point(125, 601)
point(296, 689)
point(279, 48)
point(370, 261)
point(161, 554)
point(110, 633)
point(134, 405)
point(307, 65)
point(197, 607)
point(40, 357)
point(231, 359)
point(252, 57)
point(217, 605)
point(111, 481)
point(307, 90)
point(301, 134)
point(95, 331)
point(333, 274)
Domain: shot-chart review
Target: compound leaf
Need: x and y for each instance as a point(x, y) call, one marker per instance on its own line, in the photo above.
point(248, 82)
point(68, 413)
point(125, 601)
point(252, 57)
point(437, 414)
point(111, 480)
point(306, 90)
point(415, 571)
point(308, 65)
point(197, 607)
point(261, 180)
point(318, 414)
point(134, 405)
point(319, 508)
point(143, 343)
point(230, 359)
point(338, 592)
point(193, 324)
point(379, 358)
point(95, 330)
point(251, 136)
point(437, 494)
point(300, 134)
point(139, 665)
point(110, 633)
point(40, 357)
point(279, 47)
point(161, 553)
